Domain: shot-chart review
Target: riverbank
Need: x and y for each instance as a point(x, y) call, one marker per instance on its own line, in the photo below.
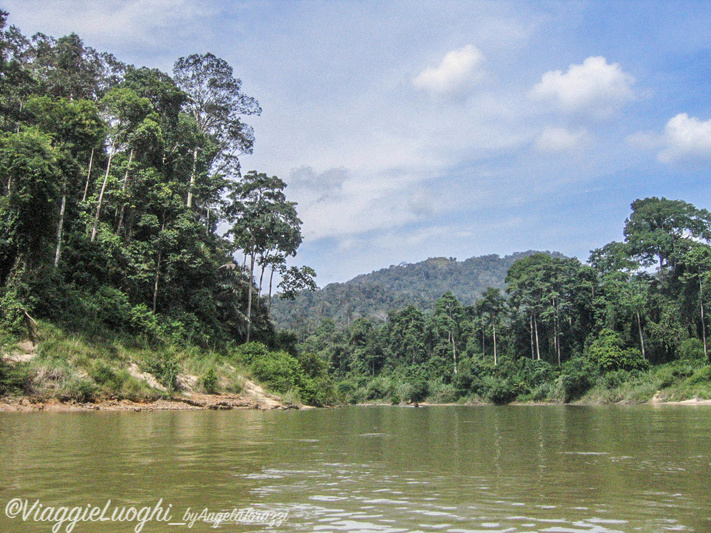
point(252, 397)
point(177, 403)
point(226, 402)
point(74, 372)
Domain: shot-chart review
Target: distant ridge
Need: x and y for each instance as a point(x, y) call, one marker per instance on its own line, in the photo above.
point(373, 295)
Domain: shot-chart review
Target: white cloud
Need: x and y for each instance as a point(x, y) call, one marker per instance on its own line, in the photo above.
point(686, 137)
point(341, 203)
point(148, 23)
point(459, 72)
point(594, 88)
point(561, 140)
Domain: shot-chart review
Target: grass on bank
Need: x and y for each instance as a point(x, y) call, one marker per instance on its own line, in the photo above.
point(97, 365)
point(102, 364)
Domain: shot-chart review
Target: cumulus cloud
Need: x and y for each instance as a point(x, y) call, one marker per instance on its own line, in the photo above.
point(686, 137)
point(459, 72)
point(561, 140)
point(339, 203)
point(308, 186)
point(151, 23)
point(594, 88)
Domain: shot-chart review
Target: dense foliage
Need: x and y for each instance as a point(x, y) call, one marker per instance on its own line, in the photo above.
point(128, 229)
point(560, 328)
point(374, 295)
point(123, 205)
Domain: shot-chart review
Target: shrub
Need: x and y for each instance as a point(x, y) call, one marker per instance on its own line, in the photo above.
point(278, 370)
point(501, 391)
point(15, 378)
point(317, 392)
point(103, 374)
point(608, 353)
point(444, 393)
point(249, 352)
point(672, 373)
point(209, 381)
point(419, 390)
point(702, 375)
point(463, 382)
point(532, 373)
point(577, 377)
point(614, 379)
point(82, 390)
point(691, 349)
point(345, 389)
point(164, 367)
point(378, 389)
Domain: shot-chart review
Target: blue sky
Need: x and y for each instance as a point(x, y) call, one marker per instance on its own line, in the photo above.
point(413, 129)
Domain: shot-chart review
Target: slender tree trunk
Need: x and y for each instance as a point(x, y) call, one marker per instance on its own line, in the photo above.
point(271, 279)
point(157, 278)
point(259, 291)
point(88, 176)
point(157, 281)
point(189, 201)
point(123, 190)
point(496, 359)
point(703, 320)
point(454, 353)
point(538, 345)
point(557, 339)
point(641, 336)
point(249, 298)
point(60, 227)
point(101, 196)
point(533, 352)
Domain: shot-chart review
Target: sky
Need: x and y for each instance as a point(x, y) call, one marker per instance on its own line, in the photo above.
point(415, 129)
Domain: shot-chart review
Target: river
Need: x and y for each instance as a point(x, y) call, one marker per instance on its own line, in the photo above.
point(449, 469)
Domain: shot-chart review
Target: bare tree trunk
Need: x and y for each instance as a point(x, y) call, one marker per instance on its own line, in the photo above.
point(259, 291)
point(538, 345)
point(454, 353)
point(641, 336)
point(88, 176)
point(189, 202)
point(60, 228)
point(271, 279)
point(533, 353)
point(123, 190)
point(557, 339)
point(496, 359)
point(703, 320)
point(157, 278)
point(101, 196)
point(156, 282)
point(249, 298)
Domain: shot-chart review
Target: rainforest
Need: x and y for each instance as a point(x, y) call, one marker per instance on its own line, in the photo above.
point(133, 244)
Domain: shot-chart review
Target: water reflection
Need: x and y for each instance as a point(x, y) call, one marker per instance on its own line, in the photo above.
point(453, 469)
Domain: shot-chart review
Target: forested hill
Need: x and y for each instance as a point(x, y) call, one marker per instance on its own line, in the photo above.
point(373, 295)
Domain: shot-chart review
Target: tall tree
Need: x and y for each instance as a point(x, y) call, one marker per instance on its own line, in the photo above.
point(661, 229)
point(259, 215)
point(493, 305)
point(31, 173)
point(448, 319)
point(216, 103)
